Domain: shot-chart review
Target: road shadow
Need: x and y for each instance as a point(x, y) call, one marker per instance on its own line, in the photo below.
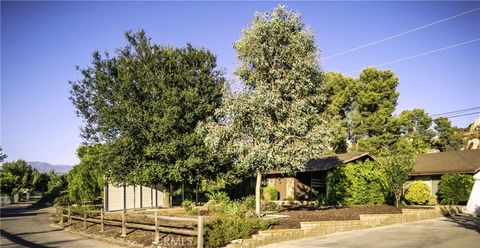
point(20, 241)
point(17, 212)
point(465, 220)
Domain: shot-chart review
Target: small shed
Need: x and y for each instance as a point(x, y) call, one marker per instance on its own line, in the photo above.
point(134, 197)
point(309, 183)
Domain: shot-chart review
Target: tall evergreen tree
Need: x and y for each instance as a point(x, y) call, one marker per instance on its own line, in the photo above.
point(275, 123)
point(445, 135)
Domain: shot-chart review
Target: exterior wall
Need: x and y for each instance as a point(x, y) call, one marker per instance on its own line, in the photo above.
point(136, 197)
point(305, 186)
point(281, 185)
point(473, 205)
point(431, 181)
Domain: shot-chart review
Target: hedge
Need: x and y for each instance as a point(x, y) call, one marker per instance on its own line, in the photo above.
point(357, 183)
point(455, 188)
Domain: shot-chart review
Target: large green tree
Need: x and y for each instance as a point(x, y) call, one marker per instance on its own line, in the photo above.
point(339, 91)
point(374, 101)
point(275, 123)
point(414, 128)
point(25, 175)
point(445, 135)
point(143, 105)
point(86, 179)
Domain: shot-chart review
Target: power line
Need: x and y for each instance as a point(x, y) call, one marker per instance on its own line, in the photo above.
point(456, 111)
point(397, 35)
point(461, 115)
point(419, 55)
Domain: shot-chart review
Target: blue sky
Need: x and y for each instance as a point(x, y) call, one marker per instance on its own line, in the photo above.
point(41, 42)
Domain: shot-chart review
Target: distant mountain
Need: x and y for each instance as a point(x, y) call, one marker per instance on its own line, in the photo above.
point(46, 167)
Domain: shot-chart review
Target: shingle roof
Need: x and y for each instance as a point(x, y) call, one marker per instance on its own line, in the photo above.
point(328, 162)
point(467, 161)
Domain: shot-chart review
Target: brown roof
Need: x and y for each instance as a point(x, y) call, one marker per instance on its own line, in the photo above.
point(328, 162)
point(467, 161)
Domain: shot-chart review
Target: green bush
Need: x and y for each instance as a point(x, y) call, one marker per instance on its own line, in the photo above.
point(358, 183)
point(432, 200)
point(455, 188)
point(190, 207)
point(218, 197)
point(233, 220)
point(270, 193)
point(290, 198)
point(418, 193)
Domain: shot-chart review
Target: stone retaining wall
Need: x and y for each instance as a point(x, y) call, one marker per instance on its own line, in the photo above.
point(319, 228)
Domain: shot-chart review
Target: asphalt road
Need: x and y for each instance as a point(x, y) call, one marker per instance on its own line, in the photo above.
point(460, 231)
point(21, 227)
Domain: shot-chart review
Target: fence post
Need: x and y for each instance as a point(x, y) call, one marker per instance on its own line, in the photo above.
point(69, 215)
point(200, 232)
point(124, 227)
point(84, 218)
point(101, 220)
point(61, 214)
point(156, 241)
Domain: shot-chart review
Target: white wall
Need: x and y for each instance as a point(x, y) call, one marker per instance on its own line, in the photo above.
point(148, 198)
point(473, 205)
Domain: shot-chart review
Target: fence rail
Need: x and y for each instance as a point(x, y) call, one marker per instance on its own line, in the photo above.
point(158, 227)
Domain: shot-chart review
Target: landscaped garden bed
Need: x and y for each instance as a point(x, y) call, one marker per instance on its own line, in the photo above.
point(305, 214)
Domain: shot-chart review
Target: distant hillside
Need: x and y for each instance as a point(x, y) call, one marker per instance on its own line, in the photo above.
point(46, 167)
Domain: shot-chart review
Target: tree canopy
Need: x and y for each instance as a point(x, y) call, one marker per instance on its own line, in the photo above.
point(143, 105)
point(275, 123)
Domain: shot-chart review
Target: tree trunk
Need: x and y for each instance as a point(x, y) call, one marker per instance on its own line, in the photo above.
point(398, 195)
point(257, 193)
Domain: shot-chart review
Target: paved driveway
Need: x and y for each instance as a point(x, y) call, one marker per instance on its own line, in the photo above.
point(21, 227)
point(460, 231)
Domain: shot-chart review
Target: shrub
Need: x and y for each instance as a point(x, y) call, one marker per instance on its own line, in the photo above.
point(270, 193)
point(362, 182)
point(221, 231)
point(233, 220)
point(189, 207)
point(290, 198)
point(455, 188)
point(218, 197)
point(418, 193)
point(432, 200)
point(321, 200)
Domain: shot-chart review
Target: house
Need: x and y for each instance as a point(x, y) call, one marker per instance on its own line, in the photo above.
point(430, 167)
point(311, 180)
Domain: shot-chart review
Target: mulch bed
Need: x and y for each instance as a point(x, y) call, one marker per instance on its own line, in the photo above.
point(329, 213)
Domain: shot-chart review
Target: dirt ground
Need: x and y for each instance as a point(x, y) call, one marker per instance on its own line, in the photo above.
point(137, 237)
point(329, 213)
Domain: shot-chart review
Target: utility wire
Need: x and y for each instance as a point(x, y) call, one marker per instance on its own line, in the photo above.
point(453, 116)
point(397, 35)
point(456, 111)
point(418, 55)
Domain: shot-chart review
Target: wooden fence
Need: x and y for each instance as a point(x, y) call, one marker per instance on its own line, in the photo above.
point(158, 227)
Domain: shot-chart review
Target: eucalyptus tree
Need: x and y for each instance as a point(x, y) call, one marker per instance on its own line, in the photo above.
point(276, 122)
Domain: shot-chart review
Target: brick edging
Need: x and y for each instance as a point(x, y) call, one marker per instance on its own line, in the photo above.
point(320, 228)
